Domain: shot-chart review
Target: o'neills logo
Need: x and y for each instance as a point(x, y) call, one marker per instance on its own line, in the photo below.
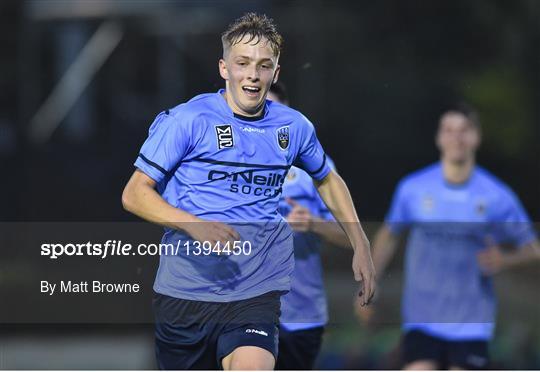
point(224, 135)
point(251, 182)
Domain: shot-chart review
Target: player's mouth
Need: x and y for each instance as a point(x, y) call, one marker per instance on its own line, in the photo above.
point(251, 91)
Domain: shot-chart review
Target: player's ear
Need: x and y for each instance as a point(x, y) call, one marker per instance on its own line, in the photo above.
point(276, 74)
point(438, 139)
point(223, 69)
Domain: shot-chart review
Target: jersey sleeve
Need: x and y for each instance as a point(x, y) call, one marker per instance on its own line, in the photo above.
point(166, 145)
point(398, 217)
point(511, 223)
point(311, 156)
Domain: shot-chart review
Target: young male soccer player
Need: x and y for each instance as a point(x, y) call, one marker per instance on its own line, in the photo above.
point(211, 171)
point(458, 214)
point(304, 310)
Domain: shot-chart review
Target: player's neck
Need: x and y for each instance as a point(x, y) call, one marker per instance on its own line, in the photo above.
point(457, 172)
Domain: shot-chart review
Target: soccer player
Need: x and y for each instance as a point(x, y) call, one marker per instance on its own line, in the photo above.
point(458, 216)
point(304, 310)
point(211, 172)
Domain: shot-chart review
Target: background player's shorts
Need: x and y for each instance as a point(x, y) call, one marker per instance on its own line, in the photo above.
point(299, 349)
point(198, 335)
point(471, 354)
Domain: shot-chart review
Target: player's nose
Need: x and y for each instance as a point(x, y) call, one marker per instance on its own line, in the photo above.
point(253, 73)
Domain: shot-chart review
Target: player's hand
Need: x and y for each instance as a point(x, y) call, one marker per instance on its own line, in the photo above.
point(300, 218)
point(213, 232)
point(491, 260)
point(364, 314)
point(364, 272)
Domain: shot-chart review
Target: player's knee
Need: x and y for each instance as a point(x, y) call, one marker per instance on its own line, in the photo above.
point(421, 365)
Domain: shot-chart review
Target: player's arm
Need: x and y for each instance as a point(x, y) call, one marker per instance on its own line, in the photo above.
point(331, 232)
point(302, 220)
point(141, 198)
point(336, 196)
point(493, 259)
point(384, 248)
point(385, 244)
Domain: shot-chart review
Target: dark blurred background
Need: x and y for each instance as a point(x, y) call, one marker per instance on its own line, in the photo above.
point(80, 82)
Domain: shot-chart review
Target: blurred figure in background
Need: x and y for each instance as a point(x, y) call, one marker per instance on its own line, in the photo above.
point(304, 310)
point(458, 216)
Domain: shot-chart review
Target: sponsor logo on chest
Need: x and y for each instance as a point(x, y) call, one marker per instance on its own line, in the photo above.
point(224, 136)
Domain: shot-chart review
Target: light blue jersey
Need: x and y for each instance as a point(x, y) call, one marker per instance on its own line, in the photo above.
point(223, 167)
point(305, 305)
point(445, 293)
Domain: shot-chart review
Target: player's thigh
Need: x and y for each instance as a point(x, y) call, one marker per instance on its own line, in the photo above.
point(422, 351)
point(249, 358)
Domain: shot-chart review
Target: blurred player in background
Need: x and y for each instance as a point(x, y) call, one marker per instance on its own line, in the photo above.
point(211, 171)
point(304, 310)
point(458, 216)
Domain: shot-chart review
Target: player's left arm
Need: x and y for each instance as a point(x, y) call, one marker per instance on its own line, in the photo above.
point(302, 220)
point(513, 226)
point(493, 259)
point(336, 196)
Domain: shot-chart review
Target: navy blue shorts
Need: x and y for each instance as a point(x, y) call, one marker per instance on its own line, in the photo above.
point(470, 354)
point(198, 334)
point(299, 349)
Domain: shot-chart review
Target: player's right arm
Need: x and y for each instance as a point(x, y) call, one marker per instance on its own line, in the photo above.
point(170, 140)
point(141, 198)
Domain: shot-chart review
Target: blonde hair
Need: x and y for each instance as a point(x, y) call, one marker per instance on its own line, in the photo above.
point(258, 27)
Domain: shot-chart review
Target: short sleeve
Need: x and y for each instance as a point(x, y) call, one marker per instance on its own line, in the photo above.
point(311, 156)
point(511, 224)
point(398, 217)
point(166, 145)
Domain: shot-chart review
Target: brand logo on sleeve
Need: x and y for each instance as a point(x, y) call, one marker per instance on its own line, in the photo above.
point(283, 137)
point(224, 135)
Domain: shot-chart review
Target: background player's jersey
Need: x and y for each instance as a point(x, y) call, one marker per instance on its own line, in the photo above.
point(223, 167)
point(445, 293)
point(305, 305)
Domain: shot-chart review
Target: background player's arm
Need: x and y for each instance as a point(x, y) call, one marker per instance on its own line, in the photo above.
point(384, 248)
point(141, 198)
point(493, 259)
point(302, 220)
point(331, 232)
point(336, 196)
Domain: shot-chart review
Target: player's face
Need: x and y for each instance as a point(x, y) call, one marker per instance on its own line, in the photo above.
point(248, 69)
point(457, 139)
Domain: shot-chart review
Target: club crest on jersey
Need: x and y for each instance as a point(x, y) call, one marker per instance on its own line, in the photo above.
point(481, 207)
point(224, 135)
point(283, 137)
point(428, 203)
